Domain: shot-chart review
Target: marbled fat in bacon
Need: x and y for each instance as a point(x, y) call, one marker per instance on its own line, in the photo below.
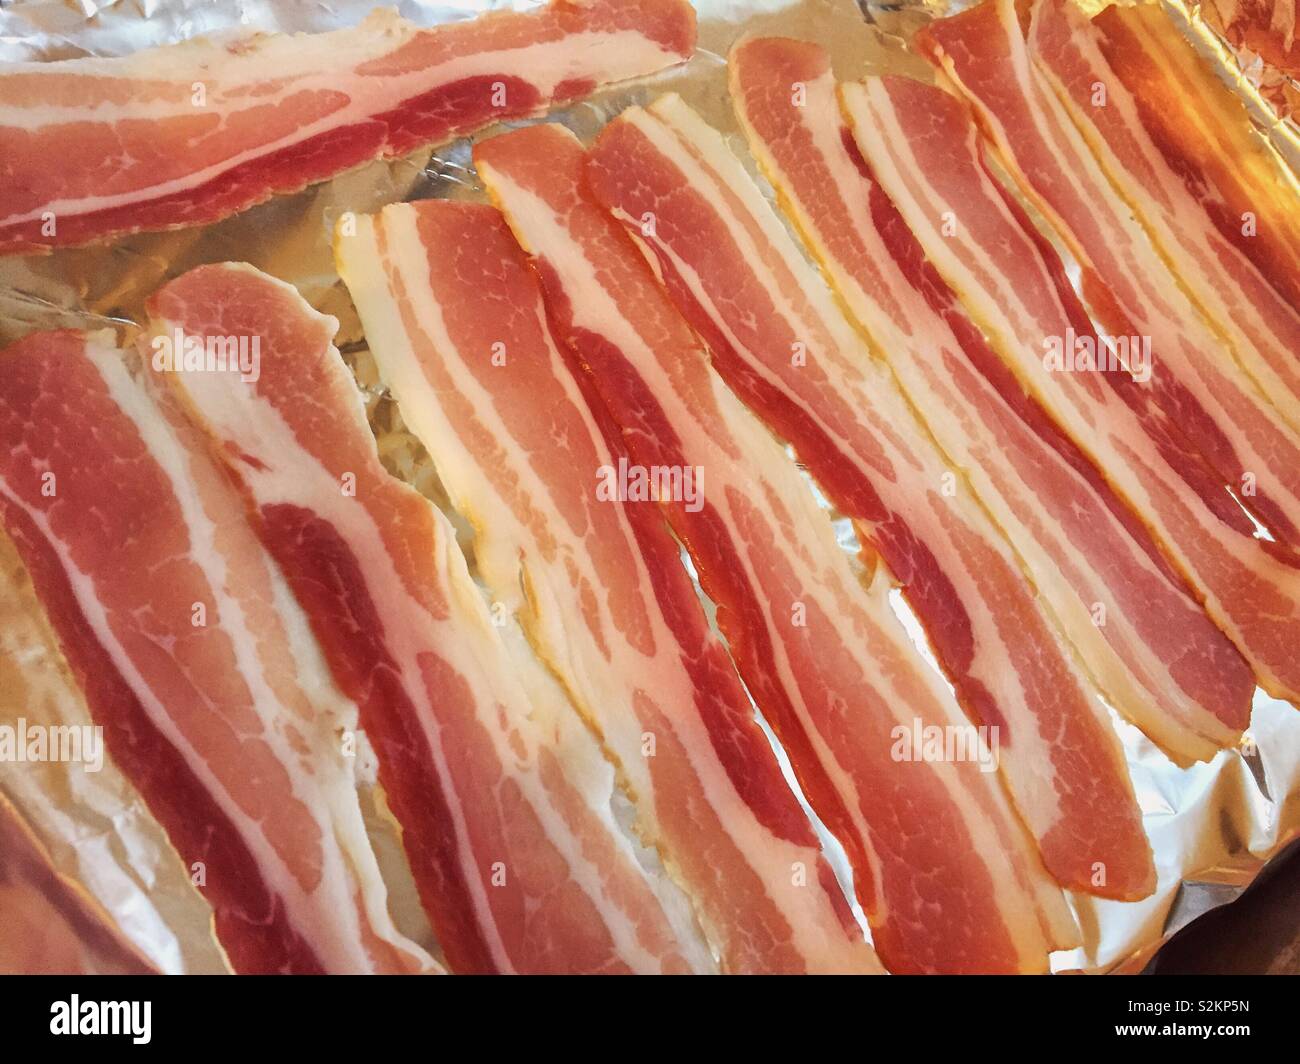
point(188, 134)
point(946, 874)
point(454, 318)
point(1157, 656)
point(924, 150)
point(503, 795)
point(1194, 375)
point(214, 698)
point(779, 340)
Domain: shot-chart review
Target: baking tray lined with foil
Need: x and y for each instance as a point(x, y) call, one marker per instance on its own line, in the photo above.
point(1212, 825)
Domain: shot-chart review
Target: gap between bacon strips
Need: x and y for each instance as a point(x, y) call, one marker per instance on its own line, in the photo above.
point(1158, 658)
point(503, 797)
point(194, 658)
point(188, 134)
point(454, 318)
point(1173, 196)
point(944, 870)
point(925, 152)
point(1188, 369)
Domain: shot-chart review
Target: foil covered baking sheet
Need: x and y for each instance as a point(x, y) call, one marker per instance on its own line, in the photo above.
point(1213, 826)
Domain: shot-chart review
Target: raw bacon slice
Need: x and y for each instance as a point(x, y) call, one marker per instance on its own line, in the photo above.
point(188, 134)
point(213, 696)
point(945, 872)
point(779, 340)
point(924, 151)
point(1153, 651)
point(454, 318)
point(503, 796)
point(1192, 373)
point(1254, 317)
point(1205, 131)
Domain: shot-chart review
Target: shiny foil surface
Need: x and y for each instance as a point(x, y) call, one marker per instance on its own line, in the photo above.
point(1213, 826)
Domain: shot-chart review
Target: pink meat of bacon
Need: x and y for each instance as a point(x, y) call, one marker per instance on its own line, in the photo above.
point(1204, 129)
point(1177, 212)
point(779, 340)
point(946, 874)
point(188, 134)
point(214, 699)
point(1194, 376)
point(1158, 657)
point(503, 795)
point(925, 152)
point(454, 317)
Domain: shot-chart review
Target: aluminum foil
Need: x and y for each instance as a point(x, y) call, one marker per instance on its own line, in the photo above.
point(1213, 826)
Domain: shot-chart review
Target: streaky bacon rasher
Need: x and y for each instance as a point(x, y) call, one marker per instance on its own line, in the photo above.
point(190, 133)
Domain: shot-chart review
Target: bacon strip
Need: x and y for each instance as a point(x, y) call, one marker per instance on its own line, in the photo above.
point(213, 696)
point(827, 662)
point(454, 318)
point(1204, 130)
point(188, 134)
point(1194, 378)
point(1253, 317)
point(779, 340)
point(502, 794)
point(1149, 645)
point(924, 151)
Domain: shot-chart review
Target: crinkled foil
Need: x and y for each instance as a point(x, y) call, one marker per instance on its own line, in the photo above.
point(1213, 826)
